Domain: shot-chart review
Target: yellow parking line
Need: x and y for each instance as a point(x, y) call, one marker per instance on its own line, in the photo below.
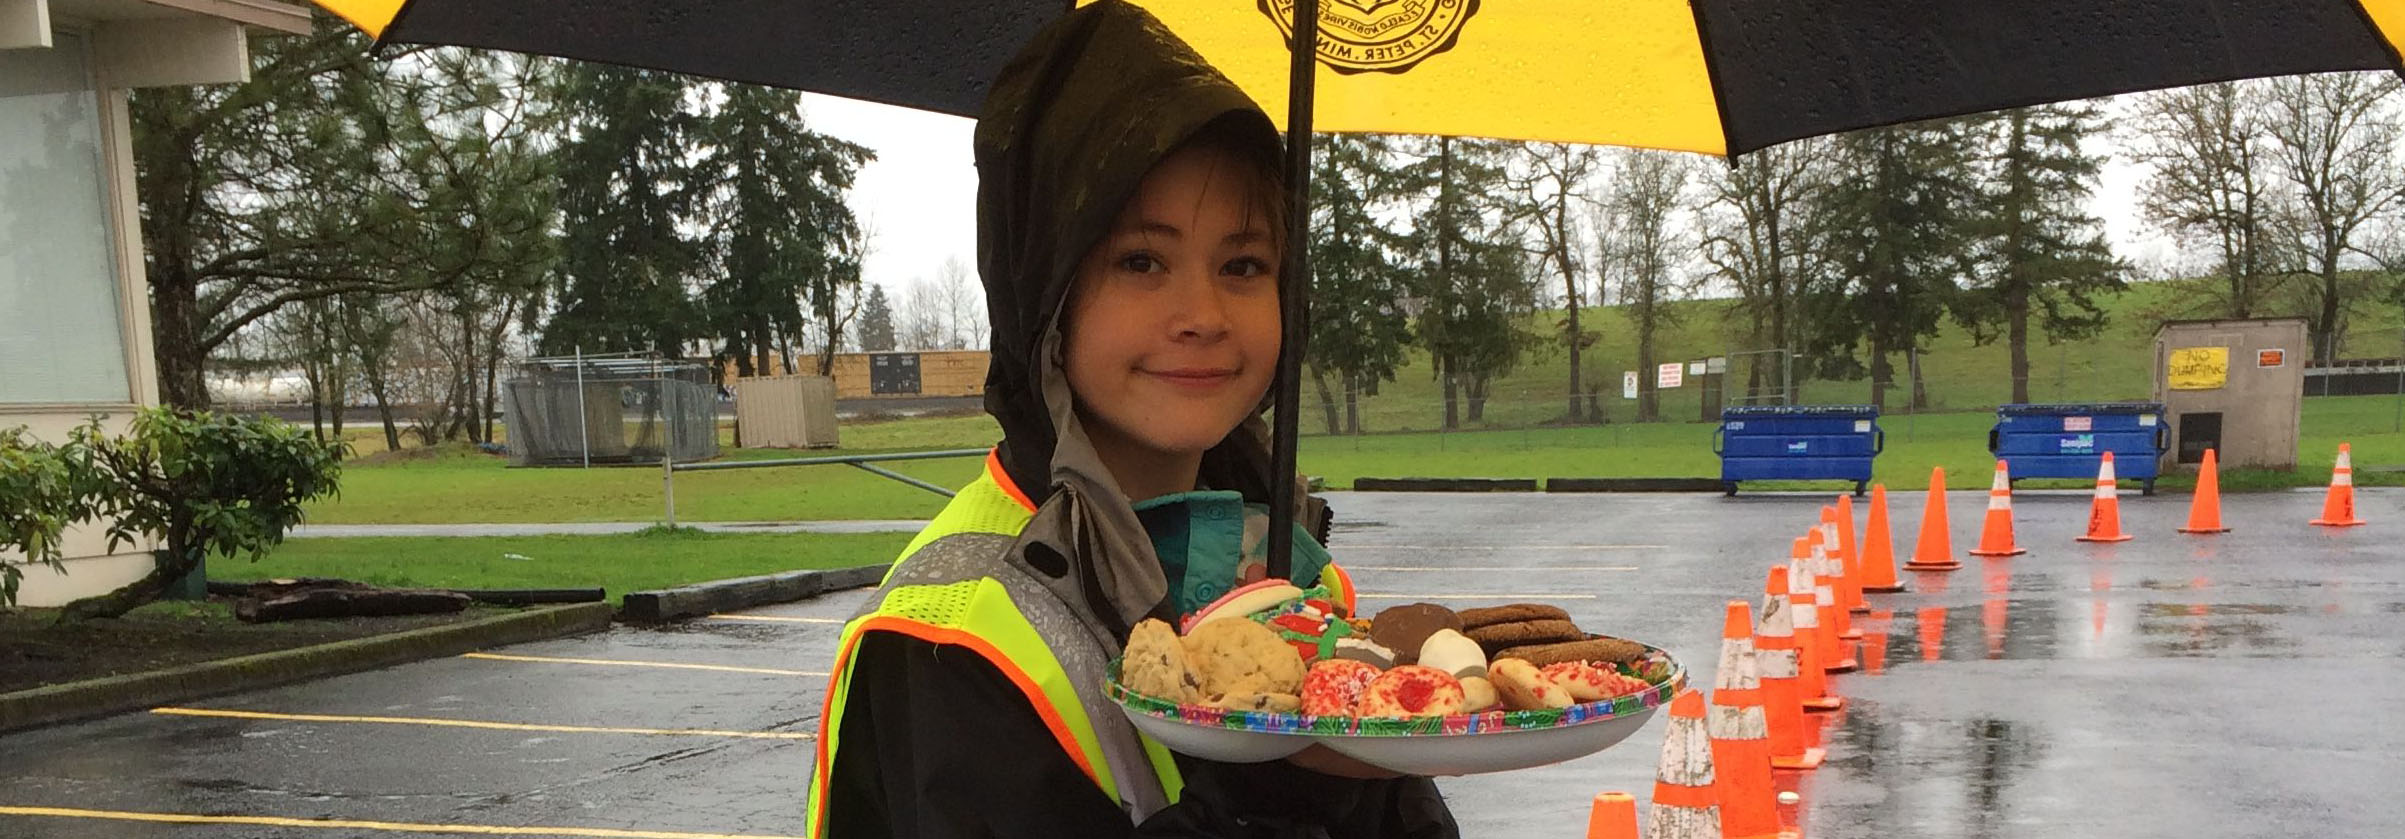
point(1490, 568)
point(1450, 596)
point(396, 827)
point(615, 662)
point(775, 619)
point(505, 726)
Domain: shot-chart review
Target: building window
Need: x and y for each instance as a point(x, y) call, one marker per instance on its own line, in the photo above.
point(60, 335)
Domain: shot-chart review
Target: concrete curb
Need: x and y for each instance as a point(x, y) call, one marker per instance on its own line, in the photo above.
point(716, 596)
point(100, 697)
point(1444, 484)
point(1633, 485)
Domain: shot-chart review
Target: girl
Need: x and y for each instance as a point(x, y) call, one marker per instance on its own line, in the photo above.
point(1130, 234)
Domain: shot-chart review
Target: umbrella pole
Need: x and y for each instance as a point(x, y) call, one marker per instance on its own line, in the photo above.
point(1296, 302)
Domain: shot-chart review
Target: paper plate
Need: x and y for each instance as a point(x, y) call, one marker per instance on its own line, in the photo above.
point(1461, 744)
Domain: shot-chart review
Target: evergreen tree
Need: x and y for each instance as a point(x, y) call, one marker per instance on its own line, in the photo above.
point(330, 174)
point(626, 193)
point(1893, 232)
point(1358, 326)
point(774, 202)
point(877, 322)
point(2037, 250)
point(1474, 292)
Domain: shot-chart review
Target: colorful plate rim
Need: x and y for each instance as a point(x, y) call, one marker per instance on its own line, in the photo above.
point(1486, 722)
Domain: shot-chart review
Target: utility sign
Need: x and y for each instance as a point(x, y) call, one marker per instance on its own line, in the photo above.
point(1669, 375)
point(1628, 384)
point(2271, 358)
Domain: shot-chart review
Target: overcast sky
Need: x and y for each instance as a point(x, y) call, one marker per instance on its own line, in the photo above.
point(919, 197)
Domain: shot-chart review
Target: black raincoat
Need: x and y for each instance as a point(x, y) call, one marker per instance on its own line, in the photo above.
point(948, 746)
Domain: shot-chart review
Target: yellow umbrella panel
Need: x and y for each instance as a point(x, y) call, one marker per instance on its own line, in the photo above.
point(1628, 73)
point(1712, 76)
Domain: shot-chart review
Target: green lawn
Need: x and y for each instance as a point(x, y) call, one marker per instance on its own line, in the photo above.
point(457, 487)
point(1961, 375)
point(1915, 443)
point(618, 564)
point(1517, 438)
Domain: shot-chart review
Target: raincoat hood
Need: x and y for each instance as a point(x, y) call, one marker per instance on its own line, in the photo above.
point(1069, 131)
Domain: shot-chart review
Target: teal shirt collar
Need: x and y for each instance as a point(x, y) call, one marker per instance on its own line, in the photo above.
point(1211, 541)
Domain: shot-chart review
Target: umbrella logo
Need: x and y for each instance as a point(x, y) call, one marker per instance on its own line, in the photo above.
point(1384, 36)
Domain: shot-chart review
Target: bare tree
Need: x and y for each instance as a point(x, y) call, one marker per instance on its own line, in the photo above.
point(920, 320)
point(2206, 147)
point(1757, 236)
point(963, 305)
point(1549, 177)
point(2334, 140)
point(1641, 239)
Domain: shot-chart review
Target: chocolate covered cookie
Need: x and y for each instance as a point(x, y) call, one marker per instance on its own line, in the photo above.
point(1404, 628)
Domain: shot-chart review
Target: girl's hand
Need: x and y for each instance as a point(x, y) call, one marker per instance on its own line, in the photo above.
point(1326, 761)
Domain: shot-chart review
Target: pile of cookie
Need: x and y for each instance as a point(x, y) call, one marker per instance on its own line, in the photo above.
point(1273, 647)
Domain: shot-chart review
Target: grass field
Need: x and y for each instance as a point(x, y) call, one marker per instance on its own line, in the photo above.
point(1959, 373)
point(1956, 441)
point(619, 564)
point(1519, 437)
point(458, 487)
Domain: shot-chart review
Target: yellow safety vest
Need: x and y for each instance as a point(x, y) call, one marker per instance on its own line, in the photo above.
point(980, 615)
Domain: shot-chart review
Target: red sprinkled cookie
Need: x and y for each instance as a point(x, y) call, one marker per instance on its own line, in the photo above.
point(1524, 687)
point(1412, 691)
point(1334, 687)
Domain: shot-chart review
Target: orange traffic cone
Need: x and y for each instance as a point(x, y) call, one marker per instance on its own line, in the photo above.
point(1829, 571)
point(1878, 549)
point(1935, 552)
point(1613, 817)
point(1741, 733)
point(1849, 554)
point(2104, 515)
point(2338, 508)
point(1996, 535)
point(2204, 511)
point(1780, 675)
point(1686, 805)
point(1811, 597)
point(1813, 678)
point(1835, 624)
point(1803, 571)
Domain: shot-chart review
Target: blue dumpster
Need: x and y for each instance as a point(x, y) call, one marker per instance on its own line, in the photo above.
point(1798, 442)
point(2069, 440)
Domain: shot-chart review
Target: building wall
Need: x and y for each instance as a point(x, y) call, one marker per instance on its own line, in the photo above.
point(2260, 406)
point(75, 288)
point(945, 373)
point(71, 278)
point(941, 373)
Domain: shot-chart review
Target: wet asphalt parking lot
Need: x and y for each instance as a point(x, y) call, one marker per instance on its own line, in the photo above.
point(2176, 686)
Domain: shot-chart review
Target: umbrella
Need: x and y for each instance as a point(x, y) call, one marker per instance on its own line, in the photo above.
point(1713, 76)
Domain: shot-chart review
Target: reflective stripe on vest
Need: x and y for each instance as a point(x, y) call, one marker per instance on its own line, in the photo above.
point(981, 616)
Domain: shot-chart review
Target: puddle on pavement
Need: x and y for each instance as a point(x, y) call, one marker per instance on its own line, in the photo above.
point(1977, 763)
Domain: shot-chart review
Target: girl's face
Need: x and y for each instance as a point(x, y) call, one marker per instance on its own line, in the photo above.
point(1173, 327)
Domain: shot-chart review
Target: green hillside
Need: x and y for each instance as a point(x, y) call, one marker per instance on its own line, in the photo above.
point(1961, 376)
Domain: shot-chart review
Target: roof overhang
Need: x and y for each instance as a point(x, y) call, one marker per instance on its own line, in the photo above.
point(154, 43)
